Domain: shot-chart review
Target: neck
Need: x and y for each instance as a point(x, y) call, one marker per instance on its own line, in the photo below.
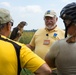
point(4, 34)
point(72, 39)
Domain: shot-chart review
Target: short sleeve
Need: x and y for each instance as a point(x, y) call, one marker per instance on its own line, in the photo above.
point(29, 59)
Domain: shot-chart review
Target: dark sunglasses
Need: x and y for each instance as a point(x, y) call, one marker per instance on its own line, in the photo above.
point(11, 23)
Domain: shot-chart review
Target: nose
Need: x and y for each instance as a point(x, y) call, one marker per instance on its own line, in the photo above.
point(49, 20)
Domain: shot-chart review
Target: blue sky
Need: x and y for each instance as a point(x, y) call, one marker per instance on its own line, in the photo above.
point(32, 11)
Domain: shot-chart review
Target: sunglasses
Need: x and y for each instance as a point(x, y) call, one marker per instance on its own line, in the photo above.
point(11, 23)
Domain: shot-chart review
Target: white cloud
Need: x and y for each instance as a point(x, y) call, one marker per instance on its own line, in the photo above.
point(65, 1)
point(34, 8)
point(5, 4)
point(23, 12)
point(29, 9)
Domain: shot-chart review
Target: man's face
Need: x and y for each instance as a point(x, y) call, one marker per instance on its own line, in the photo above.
point(50, 21)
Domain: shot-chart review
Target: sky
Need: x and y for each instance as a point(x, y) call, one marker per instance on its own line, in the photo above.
point(32, 11)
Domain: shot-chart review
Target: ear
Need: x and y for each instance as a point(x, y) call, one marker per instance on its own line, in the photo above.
point(56, 18)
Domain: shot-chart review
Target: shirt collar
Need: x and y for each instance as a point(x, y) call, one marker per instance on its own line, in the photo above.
point(3, 36)
point(55, 29)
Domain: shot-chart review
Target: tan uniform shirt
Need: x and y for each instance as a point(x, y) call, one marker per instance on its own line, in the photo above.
point(43, 39)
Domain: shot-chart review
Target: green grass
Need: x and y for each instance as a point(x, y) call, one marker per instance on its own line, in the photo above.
point(26, 37)
point(26, 72)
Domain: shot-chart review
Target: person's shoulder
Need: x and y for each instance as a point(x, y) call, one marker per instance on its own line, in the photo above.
point(59, 29)
point(15, 42)
point(11, 41)
point(58, 42)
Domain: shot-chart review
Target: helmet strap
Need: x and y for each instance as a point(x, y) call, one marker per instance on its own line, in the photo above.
point(66, 27)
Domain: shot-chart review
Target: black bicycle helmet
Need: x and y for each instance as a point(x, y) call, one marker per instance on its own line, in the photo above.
point(68, 13)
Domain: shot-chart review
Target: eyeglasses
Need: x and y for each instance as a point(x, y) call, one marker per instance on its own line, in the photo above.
point(11, 23)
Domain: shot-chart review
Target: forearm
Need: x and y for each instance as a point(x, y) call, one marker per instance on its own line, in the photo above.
point(44, 70)
point(31, 47)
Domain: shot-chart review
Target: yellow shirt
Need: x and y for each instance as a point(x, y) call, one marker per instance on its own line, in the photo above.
point(8, 58)
point(43, 39)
